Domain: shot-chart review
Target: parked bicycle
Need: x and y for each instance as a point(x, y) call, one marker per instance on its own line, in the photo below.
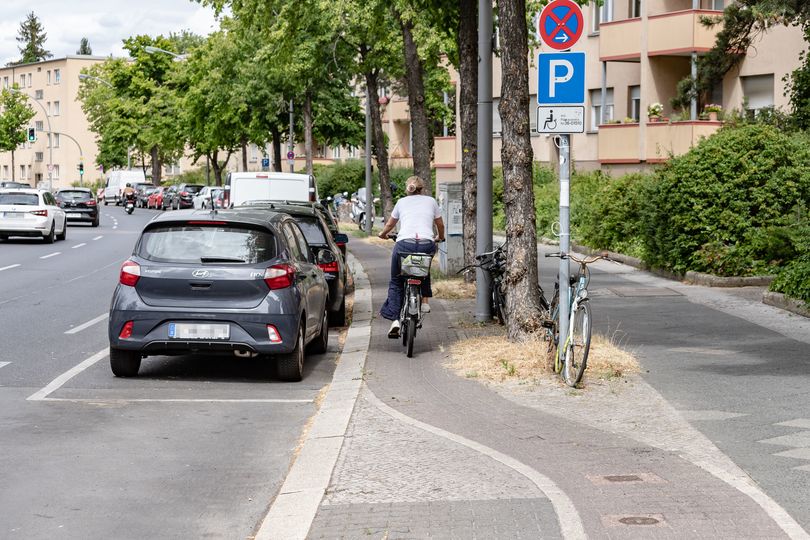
point(494, 263)
point(573, 360)
point(414, 268)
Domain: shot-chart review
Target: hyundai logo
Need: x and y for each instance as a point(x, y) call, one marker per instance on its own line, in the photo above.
point(200, 273)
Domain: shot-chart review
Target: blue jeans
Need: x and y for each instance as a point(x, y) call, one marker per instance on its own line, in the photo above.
point(393, 304)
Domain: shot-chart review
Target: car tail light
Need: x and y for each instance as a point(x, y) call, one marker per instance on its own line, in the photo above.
point(126, 331)
point(329, 267)
point(279, 276)
point(184, 193)
point(130, 273)
point(90, 202)
point(312, 194)
point(272, 333)
point(43, 213)
point(340, 244)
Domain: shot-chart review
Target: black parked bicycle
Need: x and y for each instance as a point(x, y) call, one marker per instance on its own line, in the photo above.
point(494, 263)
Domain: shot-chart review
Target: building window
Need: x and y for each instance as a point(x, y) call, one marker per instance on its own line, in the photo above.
point(352, 152)
point(22, 172)
point(56, 108)
point(634, 105)
point(30, 80)
point(38, 156)
point(56, 140)
point(38, 125)
point(22, 81)
point(601, 14)
point(497, 127)
point(635, 8)
point(5, 82)
point(5, 172)
point(336, 152)
point(49, 77)
point(596, 107)
point(38, 94)
point(57, 76)
point(757, 93)
point(56, 171)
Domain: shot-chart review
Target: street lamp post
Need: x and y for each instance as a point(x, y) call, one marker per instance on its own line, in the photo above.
point(50, 135)
point(85, 76)
point(81, 155)
point(152, 50)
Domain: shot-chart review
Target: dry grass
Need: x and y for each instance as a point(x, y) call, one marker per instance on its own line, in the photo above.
point(452, 289)
point(495, 358)
point(377, 241)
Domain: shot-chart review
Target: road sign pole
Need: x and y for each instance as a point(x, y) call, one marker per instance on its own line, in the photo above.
point(483, 199)
point(565, 236)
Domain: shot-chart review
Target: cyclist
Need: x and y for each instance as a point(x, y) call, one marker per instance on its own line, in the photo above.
point(416, 214)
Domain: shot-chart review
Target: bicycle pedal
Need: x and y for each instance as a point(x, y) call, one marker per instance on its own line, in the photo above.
point(547, 323)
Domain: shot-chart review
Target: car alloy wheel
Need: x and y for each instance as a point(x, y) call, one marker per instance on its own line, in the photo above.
point(291, 365)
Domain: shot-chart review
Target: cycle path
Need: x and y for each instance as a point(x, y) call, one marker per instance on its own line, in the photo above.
point(431, 454)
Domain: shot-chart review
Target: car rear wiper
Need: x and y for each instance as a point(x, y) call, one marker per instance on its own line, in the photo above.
point(221, 260)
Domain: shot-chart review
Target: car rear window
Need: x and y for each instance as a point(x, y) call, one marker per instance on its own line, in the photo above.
point(312, 230)
point(74, 195)
point(22, 199)
point(207, 244)
point(193, 189)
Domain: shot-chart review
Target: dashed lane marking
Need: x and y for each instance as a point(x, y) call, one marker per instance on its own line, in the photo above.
point(79, 245)
point(54, 254)
point(4, 364)
point(88, 324)
point(9, 267)
point(98, 237)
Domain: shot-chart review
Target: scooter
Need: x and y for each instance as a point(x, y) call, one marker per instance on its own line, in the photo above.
point(129, 205)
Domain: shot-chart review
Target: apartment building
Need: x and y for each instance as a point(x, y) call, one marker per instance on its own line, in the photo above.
point(63, 134)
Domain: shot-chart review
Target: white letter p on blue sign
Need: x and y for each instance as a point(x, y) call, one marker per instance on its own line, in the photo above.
point(561, 78)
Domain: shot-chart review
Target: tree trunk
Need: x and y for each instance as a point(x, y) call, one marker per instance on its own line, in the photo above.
point(468, 109)
point(155, 165)
point(379, 146)
point(276, 148)
point(522, 300)
point(244, 154)
point(414, 75)
point(12, 166)
point(308, 130)
point(212, 158)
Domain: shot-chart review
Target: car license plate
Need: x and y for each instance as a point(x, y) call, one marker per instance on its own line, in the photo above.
point(73, 214)
point(13, 214)
point(199, 331)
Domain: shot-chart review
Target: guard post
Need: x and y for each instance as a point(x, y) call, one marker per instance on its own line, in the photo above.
point(451, 253)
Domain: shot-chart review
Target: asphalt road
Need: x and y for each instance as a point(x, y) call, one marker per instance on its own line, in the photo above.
point(194, 447)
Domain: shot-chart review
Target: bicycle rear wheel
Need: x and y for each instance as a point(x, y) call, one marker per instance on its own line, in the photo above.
point(577, 345)
point(412, 323)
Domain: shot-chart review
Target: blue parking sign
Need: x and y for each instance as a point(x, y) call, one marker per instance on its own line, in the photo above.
point(561, 78)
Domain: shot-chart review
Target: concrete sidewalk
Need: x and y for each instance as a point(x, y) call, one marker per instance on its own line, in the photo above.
point(428, 454)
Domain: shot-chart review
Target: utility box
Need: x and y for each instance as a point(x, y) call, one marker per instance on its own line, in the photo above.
point(451, 253)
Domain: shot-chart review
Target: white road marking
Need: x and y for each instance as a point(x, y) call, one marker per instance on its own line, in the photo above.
point(57, 383)
point(115, 227)
point(9, 267)
point(54, 254)
point(78, 245)
point(4, 364)
point(88, 324)
point(98, 237)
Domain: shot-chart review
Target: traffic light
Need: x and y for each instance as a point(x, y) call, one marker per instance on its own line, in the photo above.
point(81, 169)
point(32, 135)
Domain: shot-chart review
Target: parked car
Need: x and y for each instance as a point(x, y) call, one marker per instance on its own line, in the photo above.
point(183, 196)
point(33, 213)
point(168, 197)
point(155, 199)
point(14, 185)
point(79, 204)
point(240, 282)
point(141, 193)
point(320, 240)
point(204, 197)
point(277, 186)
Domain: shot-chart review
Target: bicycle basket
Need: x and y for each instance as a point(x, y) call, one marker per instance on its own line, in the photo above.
point(416, 264)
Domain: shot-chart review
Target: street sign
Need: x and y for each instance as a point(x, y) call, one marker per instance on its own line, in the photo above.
point(50, 167)
point(561, 78)
point(560, 24)
point(290, 155)
point(562, 119)
point(265, 162)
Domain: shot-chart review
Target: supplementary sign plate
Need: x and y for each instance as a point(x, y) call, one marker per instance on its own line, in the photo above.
point(561, 119)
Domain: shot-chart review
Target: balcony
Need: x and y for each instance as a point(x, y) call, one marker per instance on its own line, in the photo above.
point(620, 41)
point(397, 110)
point(444, 151)
point(664, 140)
point(680, 33)
point(618, 143)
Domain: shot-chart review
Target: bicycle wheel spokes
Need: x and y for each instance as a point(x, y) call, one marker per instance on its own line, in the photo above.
point(577, 345)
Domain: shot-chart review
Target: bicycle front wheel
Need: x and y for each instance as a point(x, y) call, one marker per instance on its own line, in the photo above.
point(577, 345)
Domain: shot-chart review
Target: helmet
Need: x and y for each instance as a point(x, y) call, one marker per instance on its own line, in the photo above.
point(129, 185)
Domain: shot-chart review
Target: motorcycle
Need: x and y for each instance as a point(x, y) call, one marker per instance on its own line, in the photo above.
point(129, 205)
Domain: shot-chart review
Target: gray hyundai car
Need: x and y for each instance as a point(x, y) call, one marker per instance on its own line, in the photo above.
point(238, 282)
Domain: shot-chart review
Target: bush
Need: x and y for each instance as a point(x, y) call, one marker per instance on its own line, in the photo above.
point(350, 175)
point(718, 207)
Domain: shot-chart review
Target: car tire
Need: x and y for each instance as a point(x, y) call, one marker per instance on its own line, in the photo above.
point(3, 237)
point(290, 366)
point(124, 363)
point(320, 343)
point(63, 234)
point(338, 317)
point(95, 223)
point(51, 236)
point(105, 202)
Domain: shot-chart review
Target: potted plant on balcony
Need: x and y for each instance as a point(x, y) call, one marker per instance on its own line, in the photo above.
point(654, 111)
point(712, 109)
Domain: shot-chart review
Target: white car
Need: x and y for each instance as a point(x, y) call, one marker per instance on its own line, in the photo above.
point(33, 213)
point(202, 199)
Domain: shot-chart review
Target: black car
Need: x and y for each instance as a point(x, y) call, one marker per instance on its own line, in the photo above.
point(142, 192)
point(79, 205)
point(320, 240)
point(232, 282)
point(183, 196)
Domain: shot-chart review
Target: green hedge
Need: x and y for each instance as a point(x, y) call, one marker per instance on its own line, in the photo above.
point(350, 175)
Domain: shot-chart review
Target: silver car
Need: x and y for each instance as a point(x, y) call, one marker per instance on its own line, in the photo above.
point(32, 213)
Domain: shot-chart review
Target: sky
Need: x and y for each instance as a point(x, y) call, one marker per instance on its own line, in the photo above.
point(104, 23)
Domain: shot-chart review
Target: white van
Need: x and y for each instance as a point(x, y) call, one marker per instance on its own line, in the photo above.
point(244, 187)
point(118, 180)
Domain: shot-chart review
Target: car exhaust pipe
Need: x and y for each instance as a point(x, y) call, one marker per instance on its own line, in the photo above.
point(239, 353)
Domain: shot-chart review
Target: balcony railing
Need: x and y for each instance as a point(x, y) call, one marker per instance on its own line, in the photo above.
point(444, 151)
point(680, 33)
point(620, 40)
point(618, 143)
point(664, 140)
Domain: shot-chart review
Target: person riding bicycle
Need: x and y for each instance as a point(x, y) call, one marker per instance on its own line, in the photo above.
point(416, 214)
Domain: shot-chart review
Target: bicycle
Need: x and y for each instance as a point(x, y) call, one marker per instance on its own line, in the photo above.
point(578, 342)
point(494, 263)
point(414, 268)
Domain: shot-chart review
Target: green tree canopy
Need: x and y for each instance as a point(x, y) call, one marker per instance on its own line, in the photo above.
point(84, 47)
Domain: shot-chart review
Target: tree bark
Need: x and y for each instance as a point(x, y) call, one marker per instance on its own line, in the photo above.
point(468, 109)
point(12, 166)
point(276, 148)
point(244, 154)
point(522, 300)
point(414, 76)
point(379, 147)
point(308, 130)
point(156, 172)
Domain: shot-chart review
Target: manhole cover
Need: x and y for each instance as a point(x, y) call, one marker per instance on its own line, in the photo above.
point(644, 291)
point(623, 478)
point(638, 520)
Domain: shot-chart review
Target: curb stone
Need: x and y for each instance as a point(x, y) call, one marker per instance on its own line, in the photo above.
point(784, 302)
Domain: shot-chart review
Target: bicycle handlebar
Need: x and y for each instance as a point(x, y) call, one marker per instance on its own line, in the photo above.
point(584, 260)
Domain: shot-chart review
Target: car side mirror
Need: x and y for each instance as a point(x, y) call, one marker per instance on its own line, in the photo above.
point(325, 256)
point(341, 238)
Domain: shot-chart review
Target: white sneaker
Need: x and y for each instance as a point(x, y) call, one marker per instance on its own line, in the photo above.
point(425, 308)
point(393, 332)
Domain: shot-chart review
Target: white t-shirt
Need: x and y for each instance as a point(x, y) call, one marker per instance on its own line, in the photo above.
point(416, 214)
